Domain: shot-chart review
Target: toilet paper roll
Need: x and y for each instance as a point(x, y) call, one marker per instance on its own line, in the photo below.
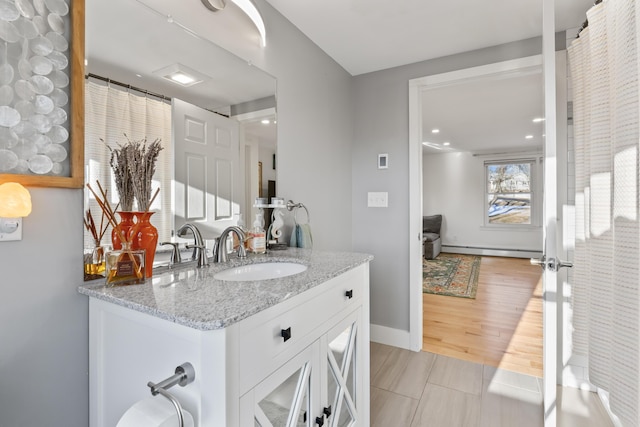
point(153, 412)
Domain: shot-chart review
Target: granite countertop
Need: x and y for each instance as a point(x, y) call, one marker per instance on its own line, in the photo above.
point(192, 297)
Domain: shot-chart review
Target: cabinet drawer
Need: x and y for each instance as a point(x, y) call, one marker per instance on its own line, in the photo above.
point(273, 336)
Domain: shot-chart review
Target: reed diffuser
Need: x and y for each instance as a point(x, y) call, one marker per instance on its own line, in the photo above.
point(94, 258)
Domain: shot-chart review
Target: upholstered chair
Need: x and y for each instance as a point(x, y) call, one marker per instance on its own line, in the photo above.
point(431, 235)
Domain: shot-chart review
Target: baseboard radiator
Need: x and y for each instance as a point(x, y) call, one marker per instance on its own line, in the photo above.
point(476, 250)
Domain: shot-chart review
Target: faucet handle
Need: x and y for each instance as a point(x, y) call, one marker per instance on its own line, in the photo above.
point(201, 254)
point(175, 253)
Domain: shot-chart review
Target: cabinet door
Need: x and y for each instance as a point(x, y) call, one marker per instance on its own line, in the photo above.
point(284, 398)
point(344, 372)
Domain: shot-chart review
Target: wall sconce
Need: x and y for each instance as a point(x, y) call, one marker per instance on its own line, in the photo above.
point(15, 203)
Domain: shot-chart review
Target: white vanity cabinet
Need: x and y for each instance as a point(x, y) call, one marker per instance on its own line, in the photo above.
point(291, 364)
point(324, 383)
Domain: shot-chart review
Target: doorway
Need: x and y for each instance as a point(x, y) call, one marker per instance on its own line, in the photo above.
point(467, 228)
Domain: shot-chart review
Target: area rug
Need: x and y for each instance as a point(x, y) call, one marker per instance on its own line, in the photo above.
point(453, 275)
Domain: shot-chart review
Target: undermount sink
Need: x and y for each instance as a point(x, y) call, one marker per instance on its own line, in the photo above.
point(260, 271)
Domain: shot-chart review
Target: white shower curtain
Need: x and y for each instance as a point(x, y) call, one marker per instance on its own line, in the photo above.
point(604, 72)
point(110, 113)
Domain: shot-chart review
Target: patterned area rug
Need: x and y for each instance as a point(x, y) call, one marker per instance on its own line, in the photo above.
point(453, 275)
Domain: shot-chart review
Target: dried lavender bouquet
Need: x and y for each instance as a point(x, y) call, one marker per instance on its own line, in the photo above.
point(141, 160)
point(120, 166)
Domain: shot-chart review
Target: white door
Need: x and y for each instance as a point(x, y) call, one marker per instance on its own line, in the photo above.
point(207, 168)
point(555, 150)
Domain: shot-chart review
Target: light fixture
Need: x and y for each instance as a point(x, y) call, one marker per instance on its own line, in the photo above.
point(247, 7)
point(529, 137)
point(446, 144)
point(265, 121)
point(538, 120)
point(15, 203)
point(181, 74)
point(435, 130)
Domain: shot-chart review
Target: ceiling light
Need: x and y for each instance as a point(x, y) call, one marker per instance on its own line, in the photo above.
point(538, 120)
point(435, 130)
point(446, 144)
point(214, 5)
point(181, 74)
point(247, 7)
point(529, 137)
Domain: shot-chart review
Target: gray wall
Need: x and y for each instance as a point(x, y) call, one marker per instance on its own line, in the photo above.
point(44, 322)
point(381, 107)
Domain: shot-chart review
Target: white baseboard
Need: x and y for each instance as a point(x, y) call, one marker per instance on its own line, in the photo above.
point(390, 336)
point(512, 253)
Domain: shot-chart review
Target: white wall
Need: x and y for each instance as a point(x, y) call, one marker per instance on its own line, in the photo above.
point(453, 185)
point(44, 321)
point(382, 126)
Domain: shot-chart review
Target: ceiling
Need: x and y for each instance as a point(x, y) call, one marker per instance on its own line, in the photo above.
point(371, 35)
point(365, 36)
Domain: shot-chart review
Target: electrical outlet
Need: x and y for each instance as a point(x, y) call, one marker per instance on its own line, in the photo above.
point(10, 229)
point(378, 199)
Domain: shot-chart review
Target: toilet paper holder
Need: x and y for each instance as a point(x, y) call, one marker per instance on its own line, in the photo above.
point(184, 374)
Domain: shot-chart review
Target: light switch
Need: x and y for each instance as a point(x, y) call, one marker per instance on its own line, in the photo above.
point(378, 199)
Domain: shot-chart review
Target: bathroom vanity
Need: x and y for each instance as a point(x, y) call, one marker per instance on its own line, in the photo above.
point(286, 351)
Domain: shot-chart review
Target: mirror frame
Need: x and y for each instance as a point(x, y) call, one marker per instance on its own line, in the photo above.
point(76, 112)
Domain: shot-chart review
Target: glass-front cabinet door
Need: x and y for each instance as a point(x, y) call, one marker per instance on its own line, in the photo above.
point(342, 373)
point(284, 398)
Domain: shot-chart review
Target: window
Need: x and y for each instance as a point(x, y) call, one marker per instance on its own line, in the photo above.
point(509, 192)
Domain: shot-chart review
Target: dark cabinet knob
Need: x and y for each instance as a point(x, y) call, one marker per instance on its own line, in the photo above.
point(286, 334)
point(327, 411)
point(349, 293)
point(320, 421)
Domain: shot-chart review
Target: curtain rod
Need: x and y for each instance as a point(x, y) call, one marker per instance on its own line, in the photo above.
point(137, 89)
point(128, 86)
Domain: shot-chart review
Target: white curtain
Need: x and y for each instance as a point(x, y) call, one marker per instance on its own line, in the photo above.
point(110, 113)
point(604, 71)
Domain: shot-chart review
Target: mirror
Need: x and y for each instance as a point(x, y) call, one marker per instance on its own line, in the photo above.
point(128, 42)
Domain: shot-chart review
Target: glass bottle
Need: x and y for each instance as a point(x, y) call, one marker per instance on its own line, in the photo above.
point(258, 236)
point(125, 266)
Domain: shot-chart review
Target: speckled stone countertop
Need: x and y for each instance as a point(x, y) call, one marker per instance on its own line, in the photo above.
point(192, 297)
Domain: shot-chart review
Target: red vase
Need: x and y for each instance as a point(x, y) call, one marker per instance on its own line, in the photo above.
point(145, 236)
point(122, 229)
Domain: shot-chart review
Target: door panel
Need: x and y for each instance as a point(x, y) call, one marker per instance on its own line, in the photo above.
point(207, 168)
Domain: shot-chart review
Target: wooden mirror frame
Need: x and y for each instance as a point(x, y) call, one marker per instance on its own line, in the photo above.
point(76, 113)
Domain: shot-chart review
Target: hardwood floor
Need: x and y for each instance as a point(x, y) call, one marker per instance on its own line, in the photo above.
point(502, 327)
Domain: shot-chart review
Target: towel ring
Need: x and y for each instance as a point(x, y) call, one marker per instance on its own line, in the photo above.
point(294, 207)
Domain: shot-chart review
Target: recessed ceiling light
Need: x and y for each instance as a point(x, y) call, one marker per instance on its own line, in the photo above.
point(538, 120)
point(446, 143)
point(435, 130)
point(181, 74)
point(138, 75)
point(265, 122)
point(529, 137)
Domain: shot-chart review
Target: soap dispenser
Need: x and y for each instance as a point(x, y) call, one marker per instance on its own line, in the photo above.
point(258, 236)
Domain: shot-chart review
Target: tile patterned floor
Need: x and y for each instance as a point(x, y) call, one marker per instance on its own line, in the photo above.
point(423, 389)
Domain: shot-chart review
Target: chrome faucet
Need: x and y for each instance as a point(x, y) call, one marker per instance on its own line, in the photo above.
point(199, 248)
point(221, 255)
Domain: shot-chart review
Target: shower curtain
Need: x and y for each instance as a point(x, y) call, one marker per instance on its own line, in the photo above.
point(110, 113)
point(606, 301)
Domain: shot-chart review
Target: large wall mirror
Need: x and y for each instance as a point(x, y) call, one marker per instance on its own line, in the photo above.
point(131, 48)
